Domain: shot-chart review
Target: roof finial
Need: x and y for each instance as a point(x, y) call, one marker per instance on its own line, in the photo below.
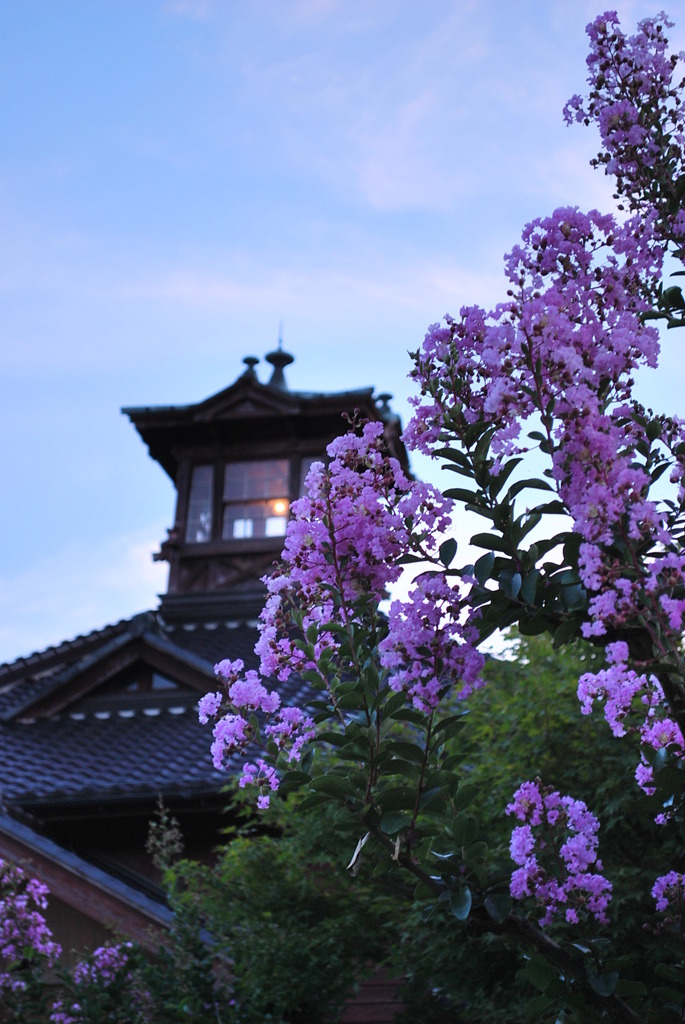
point(250, 362)
point(279, 359)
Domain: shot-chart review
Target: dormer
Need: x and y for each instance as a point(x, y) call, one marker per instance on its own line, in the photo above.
point(238, 460)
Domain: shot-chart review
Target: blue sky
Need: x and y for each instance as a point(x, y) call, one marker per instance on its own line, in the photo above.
point(178, 176)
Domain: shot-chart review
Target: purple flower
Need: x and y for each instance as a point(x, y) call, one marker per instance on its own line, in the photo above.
point(558, 830)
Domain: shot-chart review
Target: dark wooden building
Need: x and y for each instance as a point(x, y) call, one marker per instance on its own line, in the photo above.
point(94, 730)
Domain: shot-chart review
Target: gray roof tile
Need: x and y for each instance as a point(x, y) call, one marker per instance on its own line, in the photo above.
point(86, 754)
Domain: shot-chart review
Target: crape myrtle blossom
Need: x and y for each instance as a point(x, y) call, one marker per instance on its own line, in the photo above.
point(638, 109)
point(342, 549)
point(561, 356)
point(669, 892)
point(23, 929)
point(556, 848)
point(633, 703)
point(569, 340)
point(238, 728)
point(563, 351)
point(105, 966)
point(430, 648)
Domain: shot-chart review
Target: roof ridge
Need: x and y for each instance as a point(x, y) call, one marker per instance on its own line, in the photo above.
point(81, 639)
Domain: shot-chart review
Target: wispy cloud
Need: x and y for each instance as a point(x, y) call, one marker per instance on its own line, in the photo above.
point(73, 591)
point(197, 10)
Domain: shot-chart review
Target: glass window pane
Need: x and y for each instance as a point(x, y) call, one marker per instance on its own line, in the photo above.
point(274, 526)
point(255, 519)
point(199, 524)
point(160, 682)
point(306, 464)
point(266, 478)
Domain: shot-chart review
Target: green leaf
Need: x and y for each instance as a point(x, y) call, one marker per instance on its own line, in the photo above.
point(491, 541)
point(498, 482)
point(568, 630)
point(537, 1006)
point(407, 751)
point(672, 298)
point(447, 551)
point(572, 548)
point(498, 906)
point(510, 583)
point(535, 624)
point(462, 470)
point(539, 973)
point(450, 726)
point(333, 785)
point(660, 759)
point(395, 821)
point(482, 510)
point(604, 984)
point(336, 739)
point(398, 798)
point(393, 703)
point(529, 586)
point(460, 903)
point(410, 715)
point(483, 445)
point(351, 701)
point(527, 522)
point(431, 796)
point(531, 484)
point(312, 800)
point(483, 567)
point(452, 455)
point(466, 793)
point(574, 598)
point(461, 494)
point(293, 780)
point(465, 830)
point(556, 508)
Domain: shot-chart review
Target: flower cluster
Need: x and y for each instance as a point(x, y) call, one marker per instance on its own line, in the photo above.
point(560, 356)
point(638, 109)
point(24, 932)
point(237, 729)
point(555, 848)
point(104, 967)
point(669, 892)
point(429, 648)
point(342, 548)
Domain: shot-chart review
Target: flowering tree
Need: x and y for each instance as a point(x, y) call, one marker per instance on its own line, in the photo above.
point(100, 988)
point(531, 405)
point(26, 944)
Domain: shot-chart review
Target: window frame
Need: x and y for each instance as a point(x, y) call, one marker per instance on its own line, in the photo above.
point(297, 466)
point(256, 492)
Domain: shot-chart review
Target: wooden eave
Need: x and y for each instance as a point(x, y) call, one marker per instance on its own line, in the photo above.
point(246, 412)
point(84, 677)
point(87, 889)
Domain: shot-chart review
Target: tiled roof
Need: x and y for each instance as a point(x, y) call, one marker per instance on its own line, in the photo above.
point(88, 752)
point(116, 757)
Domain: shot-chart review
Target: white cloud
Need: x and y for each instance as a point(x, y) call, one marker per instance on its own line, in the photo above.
point(74, 591)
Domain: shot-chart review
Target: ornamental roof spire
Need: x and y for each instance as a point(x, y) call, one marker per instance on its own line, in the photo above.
point(279, 359)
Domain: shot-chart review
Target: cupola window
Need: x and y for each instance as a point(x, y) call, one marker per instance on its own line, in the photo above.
point(199, 523)
point(256, 501)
